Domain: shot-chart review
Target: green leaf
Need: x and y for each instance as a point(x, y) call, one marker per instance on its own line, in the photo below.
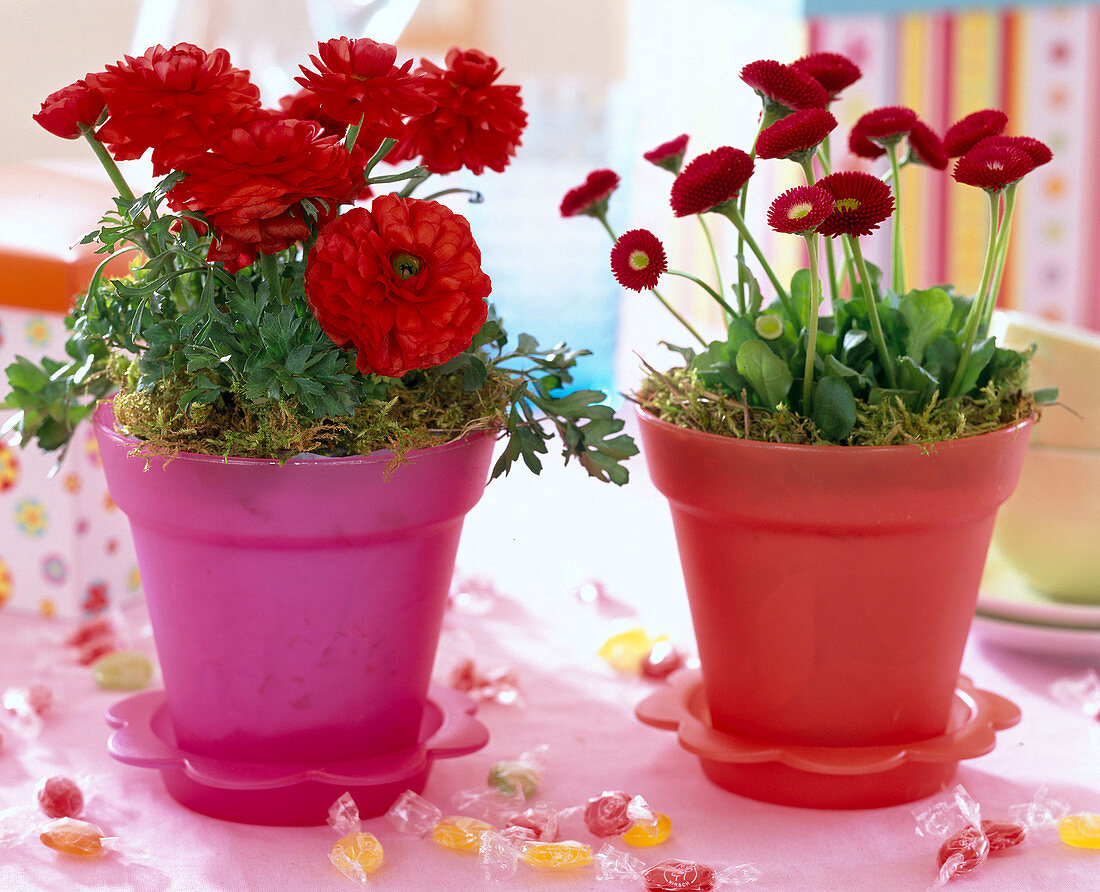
point(800, 295)
point(1045, 396)
point(766, 372)
point(834, 408)
point(475, 374)
point(836, 369)
point(927, 314)
point(979, 359)
point(915, 378)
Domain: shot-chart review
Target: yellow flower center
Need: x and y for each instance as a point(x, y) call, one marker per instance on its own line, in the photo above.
point(638, 259)
point(799, 211)
point(406, 265)
point(847, 204)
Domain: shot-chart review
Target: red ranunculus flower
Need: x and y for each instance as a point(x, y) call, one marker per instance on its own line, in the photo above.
point(669, 155)
point(590, 197)
point(925, 147)
point(64, 110)
point(861, 201)
point(356, 79)
point(992, 166)
point(832, 70)
point(476, 123)
point(401, 283)
point(800, 209)
point(795, 135)
point(305, 105)
point(710, 180)
point(782, 85)
point(176, 102)
point(638, 260)
point(886, 124)
point(250, 185)
point(967, 132)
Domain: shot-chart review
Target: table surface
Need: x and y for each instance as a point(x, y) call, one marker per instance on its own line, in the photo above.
point(536, 541)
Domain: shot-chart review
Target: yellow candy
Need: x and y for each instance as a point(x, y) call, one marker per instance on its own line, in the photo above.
point(459, 832)
point(357, 855)
point(72, 837)
point(123, 670)
point(649, 833)
point(556, 855)
point(625, 651)
point(1080, 830)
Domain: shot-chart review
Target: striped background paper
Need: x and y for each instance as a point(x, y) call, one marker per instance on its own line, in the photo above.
point(1041, 65)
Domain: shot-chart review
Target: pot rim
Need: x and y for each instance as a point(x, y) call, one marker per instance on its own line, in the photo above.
point(103, 419)
point(645, 417)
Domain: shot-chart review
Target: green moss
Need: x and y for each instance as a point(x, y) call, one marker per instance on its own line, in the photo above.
point(434, 410)
point(678, 397)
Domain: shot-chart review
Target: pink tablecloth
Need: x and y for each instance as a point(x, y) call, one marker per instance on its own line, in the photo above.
point(537, 541)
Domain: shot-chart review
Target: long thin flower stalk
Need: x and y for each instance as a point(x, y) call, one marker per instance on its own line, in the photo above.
point(811, 330)
point(730, 211)
point(1000, 254)
point(872, 310)
point(714, 259)
point(824, 159)
point(898, 264)
point(977, 306)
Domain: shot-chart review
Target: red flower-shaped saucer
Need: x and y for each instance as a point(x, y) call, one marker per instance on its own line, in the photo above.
point(824, 776)
point(288, 793)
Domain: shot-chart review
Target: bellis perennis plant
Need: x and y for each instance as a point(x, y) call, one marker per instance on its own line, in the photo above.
point(891, 364)
point(280, 298)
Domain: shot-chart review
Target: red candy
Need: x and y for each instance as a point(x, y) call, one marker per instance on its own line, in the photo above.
point(90, 630)
point(662, 660)
point(541, 824)
point(1003, 834)
point(674, 875)
point(969, 845)
point(606, 815)
point(60, 797)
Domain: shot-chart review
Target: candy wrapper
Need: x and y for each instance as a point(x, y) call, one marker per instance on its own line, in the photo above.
point(967, 839)
point(499, 685)
point(670, 875)
point(357, 854)
point(500, 856)
point(1079, 692)
point(1078, 829)
point(22, 710)
point(510, 783)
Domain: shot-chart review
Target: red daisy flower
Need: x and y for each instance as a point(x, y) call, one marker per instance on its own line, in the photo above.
point(925, 147)
point(669, 155)
point(638, 260)
point(800, 209)
point(401, 283)
point(1037, 150)
point(832, 70)
point(176, 102)
point(781, 85)
point(795, 135)
point(966, 133)
point(63, 110)
point(992, 166)
point(862, 147)
point(710, 180)
point(356, 79)
point(861, 201)
point(591, 196)
point(886, 124)
point(476, 123)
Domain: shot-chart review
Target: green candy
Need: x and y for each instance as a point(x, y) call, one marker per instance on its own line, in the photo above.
point(512, 777)
point(123, 670)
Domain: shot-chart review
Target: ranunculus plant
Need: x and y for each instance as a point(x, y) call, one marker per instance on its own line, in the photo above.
point(281, 298)
point(892, 364)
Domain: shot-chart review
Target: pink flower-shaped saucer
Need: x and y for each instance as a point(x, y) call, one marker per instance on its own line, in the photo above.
point(828, 776)
point(289, 793)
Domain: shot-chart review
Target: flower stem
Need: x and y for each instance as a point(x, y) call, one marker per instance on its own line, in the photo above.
point(416, 176)
point(729, 210)
point(872, 311)
point(766, 120)
point(898, 277)
point(977, 305)
point(811, 329)
point(353, 134)
point(704, 286)
point(1000, 255)
point(475, 196)
point(269, 267)
point(714, 260)
point(825, 159)
point(119, 181)
point(383, 151)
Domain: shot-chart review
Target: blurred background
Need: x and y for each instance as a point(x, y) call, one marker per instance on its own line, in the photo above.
point(604, 81)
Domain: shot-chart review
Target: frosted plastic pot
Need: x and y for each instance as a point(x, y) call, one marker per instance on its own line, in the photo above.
point(296, 609)
point(831, 587)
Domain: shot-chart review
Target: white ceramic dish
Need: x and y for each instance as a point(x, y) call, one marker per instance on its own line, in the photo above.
point(1006, 595)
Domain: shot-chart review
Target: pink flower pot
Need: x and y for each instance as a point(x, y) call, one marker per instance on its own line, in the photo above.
point(296, 609)
point(831, 587)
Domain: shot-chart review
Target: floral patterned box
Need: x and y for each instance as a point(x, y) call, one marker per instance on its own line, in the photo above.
point(65, 548)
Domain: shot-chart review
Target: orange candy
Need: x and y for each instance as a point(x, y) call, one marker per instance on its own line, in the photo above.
point(649, 833)
point(460, 832)
point(72, 837)
point(1081, 831)
point(357, 855)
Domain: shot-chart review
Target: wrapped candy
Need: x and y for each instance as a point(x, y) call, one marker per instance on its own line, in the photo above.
point(123, 670)
point(500, 855)
point(662, 660)
point(499, 685)
point(1080, 692)
point(19, 715)
point(508, 785)
point(670, 875)
point(70, 836)
point(412, 813)
point(357, 854)
point(1081, 830)
point(615, 813)
point(541, 822)
point(626, 651)
point(460, 833)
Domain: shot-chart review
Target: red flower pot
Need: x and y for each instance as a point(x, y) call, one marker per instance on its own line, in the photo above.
point(831, 587)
